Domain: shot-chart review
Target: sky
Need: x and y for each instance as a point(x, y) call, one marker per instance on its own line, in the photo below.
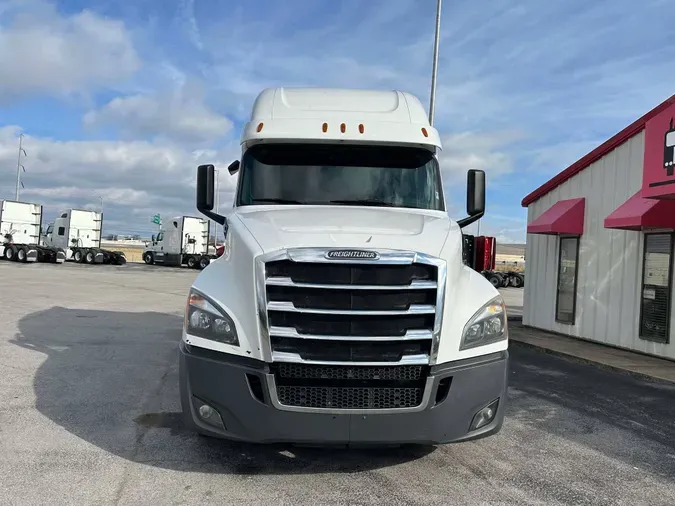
point(120, 101)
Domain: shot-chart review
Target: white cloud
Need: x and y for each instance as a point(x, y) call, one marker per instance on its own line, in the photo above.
point(488, 151)
point(136, 179)
point(178, 116)
point(44, 52)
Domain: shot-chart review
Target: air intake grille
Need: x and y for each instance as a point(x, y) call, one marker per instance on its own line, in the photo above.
point(332, 372)
point(349, 397)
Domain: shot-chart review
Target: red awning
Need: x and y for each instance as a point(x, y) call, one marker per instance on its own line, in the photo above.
point(563, 217)
point(638, 213)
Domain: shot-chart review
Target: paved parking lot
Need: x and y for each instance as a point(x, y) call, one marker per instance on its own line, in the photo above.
point(89, 415)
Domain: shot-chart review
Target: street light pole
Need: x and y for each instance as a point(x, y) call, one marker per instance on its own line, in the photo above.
point(19, 167)
point(215, 233)
point(434, 68)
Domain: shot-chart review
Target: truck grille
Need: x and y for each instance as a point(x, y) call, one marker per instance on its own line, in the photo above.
point(350, 333)
point(349, 387)
point(349, 398)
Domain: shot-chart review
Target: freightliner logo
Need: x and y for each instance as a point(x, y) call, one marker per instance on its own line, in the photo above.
point(351, 254)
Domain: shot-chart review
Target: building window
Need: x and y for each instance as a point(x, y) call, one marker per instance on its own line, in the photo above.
point(656, 287)
point(62, 230)
point(566, 299)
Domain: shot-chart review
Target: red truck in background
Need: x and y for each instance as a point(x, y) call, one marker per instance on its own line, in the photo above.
point(480, 254)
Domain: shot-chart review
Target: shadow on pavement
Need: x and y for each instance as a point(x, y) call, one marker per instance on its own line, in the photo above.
point(111, 378)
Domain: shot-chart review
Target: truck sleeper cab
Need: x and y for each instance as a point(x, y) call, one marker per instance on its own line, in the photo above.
point(185, 241)
point(341, 311)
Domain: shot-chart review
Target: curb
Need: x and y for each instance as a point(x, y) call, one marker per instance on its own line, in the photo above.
point(583, 360)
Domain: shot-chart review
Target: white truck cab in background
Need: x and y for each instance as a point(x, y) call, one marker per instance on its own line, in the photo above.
point(78, 233)
point(185, 241)
point(341, 310)
point(20, 228)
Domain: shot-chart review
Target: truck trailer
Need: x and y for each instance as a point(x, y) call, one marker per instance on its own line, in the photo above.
point(78, 233)
point(184, 242)
point(341, 310)
point(20, 227)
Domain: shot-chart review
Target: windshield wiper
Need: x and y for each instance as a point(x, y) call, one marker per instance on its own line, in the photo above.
point(364, 202)
point(278, 201)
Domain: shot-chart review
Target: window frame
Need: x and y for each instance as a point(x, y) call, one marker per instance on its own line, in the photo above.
point(576, 279)
point(61, 231)
point(652, 339)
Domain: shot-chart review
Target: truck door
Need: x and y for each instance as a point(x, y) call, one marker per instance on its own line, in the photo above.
point(158, 247)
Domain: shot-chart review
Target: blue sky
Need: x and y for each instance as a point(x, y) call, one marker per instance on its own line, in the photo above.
point(124, 99)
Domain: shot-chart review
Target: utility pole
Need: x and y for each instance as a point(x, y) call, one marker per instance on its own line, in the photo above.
point(434, 68)
point(215, 229)
point(19, 167)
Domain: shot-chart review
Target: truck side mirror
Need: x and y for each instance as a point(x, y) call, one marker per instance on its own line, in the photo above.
point(205, 179)
point(475, 197)
point(233, 168)
point(153, 238)
point(205, 194)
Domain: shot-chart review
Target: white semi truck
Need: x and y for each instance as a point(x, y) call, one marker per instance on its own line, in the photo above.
point(341, 310)
point(184, 242)
point(20, 227)
point(78, 233)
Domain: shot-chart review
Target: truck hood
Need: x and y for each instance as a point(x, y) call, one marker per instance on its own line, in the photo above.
point(281, 227)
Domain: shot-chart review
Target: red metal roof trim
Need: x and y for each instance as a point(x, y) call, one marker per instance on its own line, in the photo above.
point(563, 217)
point(596, 154)
point(639, 213)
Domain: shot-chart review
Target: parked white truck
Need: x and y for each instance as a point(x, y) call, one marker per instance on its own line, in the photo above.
point(340, 310)
point(78, 232)
point(184, 242)
point(20, 226)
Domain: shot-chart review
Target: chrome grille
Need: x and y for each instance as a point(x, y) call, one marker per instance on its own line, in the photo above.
point(350, 333)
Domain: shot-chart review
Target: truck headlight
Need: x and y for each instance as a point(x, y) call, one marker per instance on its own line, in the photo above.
point(203, 318)
point(487, 326)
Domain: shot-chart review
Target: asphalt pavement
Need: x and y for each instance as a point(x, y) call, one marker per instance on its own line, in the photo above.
point(89, 414)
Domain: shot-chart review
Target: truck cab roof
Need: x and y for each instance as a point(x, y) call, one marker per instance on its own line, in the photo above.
point(339, 115)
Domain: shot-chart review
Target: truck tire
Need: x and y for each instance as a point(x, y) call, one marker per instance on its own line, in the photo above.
point(505, 280)
point(10, 252)
point(21, 255)
point(148, 258)
point(89, 257)
point(518, 281)
point(191, 262)
point(120, 259)
point(204, 262)
point(77, 255)
point(494, 279)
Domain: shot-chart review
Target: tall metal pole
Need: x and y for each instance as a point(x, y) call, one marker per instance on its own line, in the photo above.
point(434, 68)
point(18, 167)
point(215, 233)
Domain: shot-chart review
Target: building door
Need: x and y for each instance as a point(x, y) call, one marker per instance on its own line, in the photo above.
point(566, 298)
point(656, 287)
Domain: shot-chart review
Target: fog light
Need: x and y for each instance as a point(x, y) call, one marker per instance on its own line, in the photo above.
point(208, 414)
point(205, 411)
point(484, 416)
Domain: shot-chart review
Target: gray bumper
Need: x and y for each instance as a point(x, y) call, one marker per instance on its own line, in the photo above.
point(221, 381)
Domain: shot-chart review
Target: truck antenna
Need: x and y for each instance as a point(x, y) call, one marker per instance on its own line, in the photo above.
point(434, 67)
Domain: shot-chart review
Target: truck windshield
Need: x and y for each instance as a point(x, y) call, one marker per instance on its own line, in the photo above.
point(324, 174)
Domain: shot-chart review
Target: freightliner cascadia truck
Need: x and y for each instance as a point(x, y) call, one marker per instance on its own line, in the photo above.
point(341, 310)
point(78, 233)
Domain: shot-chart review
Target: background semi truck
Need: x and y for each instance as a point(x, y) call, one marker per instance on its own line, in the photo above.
point(341, 309)
point(20, 228)
point(480, 254)
point(78, 232)
point(185, 241)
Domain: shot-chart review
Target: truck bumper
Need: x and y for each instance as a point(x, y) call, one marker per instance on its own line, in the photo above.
point(244, 410)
